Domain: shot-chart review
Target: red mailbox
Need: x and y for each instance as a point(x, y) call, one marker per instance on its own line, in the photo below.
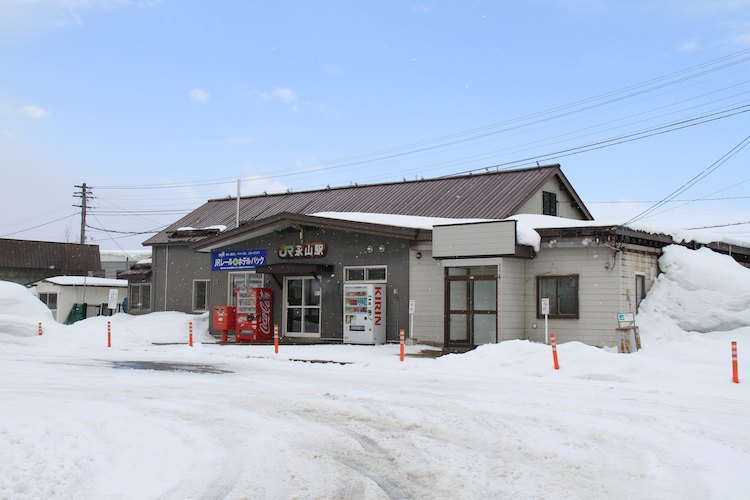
point(225, 318)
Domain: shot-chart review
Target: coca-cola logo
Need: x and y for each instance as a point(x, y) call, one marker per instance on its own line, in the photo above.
point(265, 312)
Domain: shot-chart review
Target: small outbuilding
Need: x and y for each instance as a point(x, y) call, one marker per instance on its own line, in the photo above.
point(72, 298)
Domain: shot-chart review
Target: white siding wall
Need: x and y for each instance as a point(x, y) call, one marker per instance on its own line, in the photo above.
point(426, 285)
point(512, 300)
point(598, 294)
point(564, 205)
point(67, 296)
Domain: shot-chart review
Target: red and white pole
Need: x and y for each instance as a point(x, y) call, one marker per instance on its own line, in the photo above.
point(401, 344)
point(553, 342)
point(276, 339)
point(40, 328)
point(109, 334)
point(735, 371)
point(190, 337)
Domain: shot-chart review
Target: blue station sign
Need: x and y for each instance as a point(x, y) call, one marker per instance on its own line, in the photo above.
point(232, 260)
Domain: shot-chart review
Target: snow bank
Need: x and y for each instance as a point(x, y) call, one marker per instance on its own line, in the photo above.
point(700, 291)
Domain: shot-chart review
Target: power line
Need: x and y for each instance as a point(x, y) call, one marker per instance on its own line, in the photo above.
point(722, 225)
point(702, 175)
point(579, 106)
point(40, 225)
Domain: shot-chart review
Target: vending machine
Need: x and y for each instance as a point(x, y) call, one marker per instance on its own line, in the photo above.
point(254, 315)
point(364, 313)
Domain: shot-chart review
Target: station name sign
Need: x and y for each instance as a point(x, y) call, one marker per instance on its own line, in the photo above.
point(302, 250)
point(232, 260)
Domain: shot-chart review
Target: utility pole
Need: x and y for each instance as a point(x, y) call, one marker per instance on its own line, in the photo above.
point(84, 194)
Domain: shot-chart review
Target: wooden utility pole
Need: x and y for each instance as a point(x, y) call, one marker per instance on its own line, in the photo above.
point(84, 194)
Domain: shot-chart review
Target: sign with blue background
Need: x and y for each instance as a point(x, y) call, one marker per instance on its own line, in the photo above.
point(232, 260)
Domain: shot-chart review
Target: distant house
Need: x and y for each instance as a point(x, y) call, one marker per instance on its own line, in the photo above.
point(25, 261)
point(85, 296)
point(114, 261)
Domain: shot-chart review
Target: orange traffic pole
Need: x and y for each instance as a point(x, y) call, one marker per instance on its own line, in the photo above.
point(109, 334)
point(190, 341)
point(40, 328)
point(276, 339)
point(401, 344)
point(553, 342)
point(735, 371)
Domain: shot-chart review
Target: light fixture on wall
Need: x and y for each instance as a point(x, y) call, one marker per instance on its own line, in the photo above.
point(381, 248)
point(369, 248)
point(418, 255)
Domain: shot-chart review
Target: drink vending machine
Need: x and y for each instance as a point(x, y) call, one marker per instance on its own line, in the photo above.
point(364, 313)
point(254, 315)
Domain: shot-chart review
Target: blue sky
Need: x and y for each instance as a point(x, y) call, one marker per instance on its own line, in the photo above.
point(300, 95)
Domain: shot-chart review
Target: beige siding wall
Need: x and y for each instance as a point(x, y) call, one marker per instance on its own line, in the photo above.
point(426, 284)
point(633, 263)
point(512, 299)
point(564, 201)
point(598, 294)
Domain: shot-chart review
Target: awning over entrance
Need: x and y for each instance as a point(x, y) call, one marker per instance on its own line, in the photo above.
point(294, 269)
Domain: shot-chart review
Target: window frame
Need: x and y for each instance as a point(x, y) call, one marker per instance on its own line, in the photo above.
point(366, 274)
point(549, 199)
point(139, 306)
point(206, 295)
point(642, 278)
point(46, 301)
point(554, 304)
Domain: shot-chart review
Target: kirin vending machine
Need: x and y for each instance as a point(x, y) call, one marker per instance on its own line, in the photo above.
point(254, 315)
point(364, 313)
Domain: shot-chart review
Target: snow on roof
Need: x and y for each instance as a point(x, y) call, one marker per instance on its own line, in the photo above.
point(220, 227)
point(87, 281)
point(119, 255)
point(410, 221)
point(527, 224)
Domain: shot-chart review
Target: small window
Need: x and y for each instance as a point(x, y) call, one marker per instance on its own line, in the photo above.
point(50, 300)
point(139, 297)
point(549, 203)
point(200, 295)
point(367, 273)
point(562, 292)
point(640, 289)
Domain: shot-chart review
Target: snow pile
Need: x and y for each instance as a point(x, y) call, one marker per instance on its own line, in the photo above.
point(699, 291)
point(21, 313)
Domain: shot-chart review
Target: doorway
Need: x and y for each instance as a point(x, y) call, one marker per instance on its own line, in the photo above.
point(302, 306)
point(471, 305)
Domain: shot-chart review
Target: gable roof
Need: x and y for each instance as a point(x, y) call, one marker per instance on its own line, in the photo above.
point(49, 255)
point(493, 195)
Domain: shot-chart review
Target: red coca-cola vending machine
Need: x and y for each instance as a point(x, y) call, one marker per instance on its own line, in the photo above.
point(254, 315)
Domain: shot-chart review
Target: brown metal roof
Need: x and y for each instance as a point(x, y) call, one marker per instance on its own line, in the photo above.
point(494, 195)
point(65, 258)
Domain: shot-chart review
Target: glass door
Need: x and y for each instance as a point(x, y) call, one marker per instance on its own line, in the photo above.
point(302, 306)
point(471, 306)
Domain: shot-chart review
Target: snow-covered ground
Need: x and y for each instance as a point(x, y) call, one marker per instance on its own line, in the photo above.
point(139, 420)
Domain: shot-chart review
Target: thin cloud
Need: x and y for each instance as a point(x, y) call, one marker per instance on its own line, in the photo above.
point(689, 46)
point(283, 94)
point(227, 141)
point(199, 95)
point(34, 112)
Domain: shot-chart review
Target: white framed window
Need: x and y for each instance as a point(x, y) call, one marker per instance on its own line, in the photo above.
point(50, 300)
point(139, 297)
point(370, 274)
point(244, 281)
point(200, 295)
